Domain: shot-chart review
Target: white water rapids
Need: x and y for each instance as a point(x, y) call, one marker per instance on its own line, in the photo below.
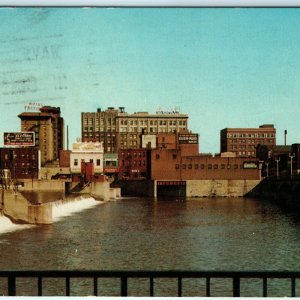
point(60, 209)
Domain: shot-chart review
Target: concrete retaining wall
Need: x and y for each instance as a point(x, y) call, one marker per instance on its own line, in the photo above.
point(219, 188)
point(43, 185)
point(102, 190)
point(18, 208)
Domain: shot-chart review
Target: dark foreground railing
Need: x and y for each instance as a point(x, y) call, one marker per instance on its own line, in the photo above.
point(236, 277)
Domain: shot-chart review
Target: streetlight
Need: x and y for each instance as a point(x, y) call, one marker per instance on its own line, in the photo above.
point(267, 163)
point(291, 155)
point(277, 169)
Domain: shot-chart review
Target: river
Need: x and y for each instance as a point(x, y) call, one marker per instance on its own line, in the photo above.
point(143, 234)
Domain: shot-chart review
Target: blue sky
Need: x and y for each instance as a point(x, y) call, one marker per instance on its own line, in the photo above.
point(224, 67)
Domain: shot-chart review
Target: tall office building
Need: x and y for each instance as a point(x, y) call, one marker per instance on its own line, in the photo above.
point(243, 141)
point(48, 127)
point(118, 129)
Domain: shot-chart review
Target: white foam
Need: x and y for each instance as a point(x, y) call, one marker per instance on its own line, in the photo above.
point(6, 225)
point(65, 208)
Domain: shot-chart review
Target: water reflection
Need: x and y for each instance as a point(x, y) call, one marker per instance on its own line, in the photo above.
point(141, 234)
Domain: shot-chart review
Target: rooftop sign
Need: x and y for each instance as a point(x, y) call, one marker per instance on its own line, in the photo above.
point(19, 138)
point(172, 111)
point(191, 138)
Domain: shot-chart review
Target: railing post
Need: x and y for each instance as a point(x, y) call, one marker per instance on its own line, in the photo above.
point(11, 285)
point(40, 292)
point(293, 287)
point(236, 287)
point(265, 287)
point(67, 285)
point(124, 286)
point(179, 286)
point(207, 286)
point(151, 287)
point(95, 286)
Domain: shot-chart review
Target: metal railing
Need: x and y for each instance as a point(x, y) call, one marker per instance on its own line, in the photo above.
point(236, 277)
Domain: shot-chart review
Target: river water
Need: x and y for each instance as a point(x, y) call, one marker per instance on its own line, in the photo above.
point(199, 234)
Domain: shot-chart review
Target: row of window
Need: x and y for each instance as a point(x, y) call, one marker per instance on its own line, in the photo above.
point(133, 154)
point(134, 163)
point(266, 141)
point(208, 166)
point(250, 135)
point(76, 160)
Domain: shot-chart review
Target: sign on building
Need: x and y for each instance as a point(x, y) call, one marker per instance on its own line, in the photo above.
point(19, 138)
point(250, 165)
point(191, 138)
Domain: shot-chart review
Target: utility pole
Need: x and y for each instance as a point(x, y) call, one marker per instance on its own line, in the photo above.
point(291, 155)
point(277, 168)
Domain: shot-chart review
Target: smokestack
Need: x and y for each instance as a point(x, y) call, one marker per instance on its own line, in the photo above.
point(285, 133)
point(67, 137)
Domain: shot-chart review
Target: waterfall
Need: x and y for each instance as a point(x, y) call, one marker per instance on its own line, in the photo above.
point(6, 225)
point(60, 209)
point(64, 208)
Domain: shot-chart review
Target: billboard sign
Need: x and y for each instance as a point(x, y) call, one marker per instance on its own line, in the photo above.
point(250, 165)
point(19, 138)
point(191, 138)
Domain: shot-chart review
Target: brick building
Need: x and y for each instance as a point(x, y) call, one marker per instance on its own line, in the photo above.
point(134, 164)
point(170, 164)
point(22, 162)
point(119, 130)
point(177, 158)
point(48, 126)
point(243, 141)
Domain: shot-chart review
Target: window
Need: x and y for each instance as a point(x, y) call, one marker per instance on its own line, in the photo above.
point(98, 162)
point(209, 166)
point(202, 166)
point(196, 166)
point(184, 166)
point(157, 156)
point(174, 156)
point(177, 166)
point(190, 166)
point(75, 162)
point(215, 166)
point(222, 166)
point(91, 160)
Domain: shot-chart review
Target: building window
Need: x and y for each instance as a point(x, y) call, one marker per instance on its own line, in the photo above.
point(215, 166)
point(75, 162)
point(190, 166)
point(196, 166)
point(174, 156)
point(157, 156)
point(236, 166)
point(209, 166)
point(177, 166)
point(98, 162)
point(222, 166)
point(91, 160)
point(184, 166)
point(202, 166)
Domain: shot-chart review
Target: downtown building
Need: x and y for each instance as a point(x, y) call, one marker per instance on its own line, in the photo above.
point(244, 141)
point(118, 129)
point(48, 126)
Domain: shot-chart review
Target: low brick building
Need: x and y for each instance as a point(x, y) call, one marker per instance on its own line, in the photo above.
point(22, 162)
point(171, 165)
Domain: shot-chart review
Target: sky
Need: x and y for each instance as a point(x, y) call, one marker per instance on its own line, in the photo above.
point(224, 67)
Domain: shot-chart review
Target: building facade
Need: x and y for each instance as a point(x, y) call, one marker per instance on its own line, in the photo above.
point(48, 126)
point(86, 153)
point(119, 130)
point(21, 162)
point(133, 164)
point(244, 141)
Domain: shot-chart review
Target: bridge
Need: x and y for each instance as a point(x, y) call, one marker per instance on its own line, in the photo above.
point(236, 278)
